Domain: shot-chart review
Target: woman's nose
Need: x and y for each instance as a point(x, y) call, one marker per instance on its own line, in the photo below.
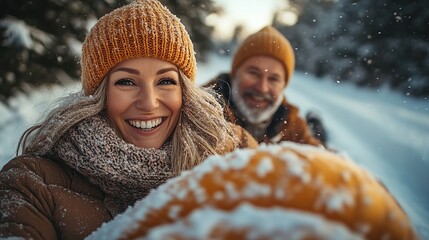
point(147, 99)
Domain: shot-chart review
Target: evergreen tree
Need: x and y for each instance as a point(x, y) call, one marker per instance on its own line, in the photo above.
point(370, 43)
point(40, 41)
point(312, 35)
point(393, 43)
point(192, 14)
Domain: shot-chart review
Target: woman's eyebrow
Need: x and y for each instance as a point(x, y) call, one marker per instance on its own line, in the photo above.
point(164, 70)
point(129, 70)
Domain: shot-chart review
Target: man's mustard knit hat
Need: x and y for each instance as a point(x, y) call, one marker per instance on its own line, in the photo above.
point(143, 28)
point(269, 42)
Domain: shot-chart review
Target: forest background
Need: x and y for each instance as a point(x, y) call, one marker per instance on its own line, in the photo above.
point(372, 44)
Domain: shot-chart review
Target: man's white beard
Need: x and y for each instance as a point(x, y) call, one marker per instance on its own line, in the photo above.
point(253, 115)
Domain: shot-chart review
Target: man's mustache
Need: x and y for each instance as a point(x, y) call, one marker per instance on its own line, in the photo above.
point(252, 93)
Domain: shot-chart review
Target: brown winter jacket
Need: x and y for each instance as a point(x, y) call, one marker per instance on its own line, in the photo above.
point(42, 198)
point(286, 124)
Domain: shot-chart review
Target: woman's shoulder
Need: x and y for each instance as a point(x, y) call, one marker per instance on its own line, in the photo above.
point(48, 172)
point(29, 171)
point(37, 192)
point(36, 164)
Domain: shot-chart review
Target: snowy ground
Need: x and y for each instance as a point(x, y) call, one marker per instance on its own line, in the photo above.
point(384, 132)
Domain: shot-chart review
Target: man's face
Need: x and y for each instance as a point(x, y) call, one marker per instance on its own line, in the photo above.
point(257, 87)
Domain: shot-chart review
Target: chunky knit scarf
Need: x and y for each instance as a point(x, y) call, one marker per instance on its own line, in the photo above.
point(123, 171)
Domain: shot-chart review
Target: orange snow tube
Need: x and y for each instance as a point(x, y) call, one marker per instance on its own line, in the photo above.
point(276, 191)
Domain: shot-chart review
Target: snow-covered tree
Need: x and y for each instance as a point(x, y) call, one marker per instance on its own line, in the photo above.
point(41, 40)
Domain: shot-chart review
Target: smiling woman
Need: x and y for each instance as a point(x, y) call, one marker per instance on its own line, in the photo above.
point(139, 120)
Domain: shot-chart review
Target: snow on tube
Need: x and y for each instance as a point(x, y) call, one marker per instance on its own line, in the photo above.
point(287, 189)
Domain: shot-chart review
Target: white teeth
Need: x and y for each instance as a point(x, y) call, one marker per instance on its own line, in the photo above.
point(257, 98)
point(146, 125)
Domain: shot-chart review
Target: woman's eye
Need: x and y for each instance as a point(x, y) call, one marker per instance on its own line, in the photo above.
point(167, 81)
point(124, 82)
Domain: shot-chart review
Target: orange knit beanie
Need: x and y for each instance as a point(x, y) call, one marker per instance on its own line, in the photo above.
point(269, 42)
point(143, 28)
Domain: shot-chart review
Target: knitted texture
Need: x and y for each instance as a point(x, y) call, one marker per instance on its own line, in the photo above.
point(143, 28)
point(269, 42)
point(124, 172)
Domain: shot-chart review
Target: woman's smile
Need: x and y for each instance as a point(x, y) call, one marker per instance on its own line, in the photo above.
point(146, 125)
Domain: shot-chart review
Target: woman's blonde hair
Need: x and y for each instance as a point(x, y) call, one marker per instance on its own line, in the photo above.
point(201, 131)
point(202, 128)
point(40, 138)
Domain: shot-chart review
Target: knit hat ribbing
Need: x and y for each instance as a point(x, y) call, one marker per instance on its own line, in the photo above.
point(143, 28)
point(267, 41)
